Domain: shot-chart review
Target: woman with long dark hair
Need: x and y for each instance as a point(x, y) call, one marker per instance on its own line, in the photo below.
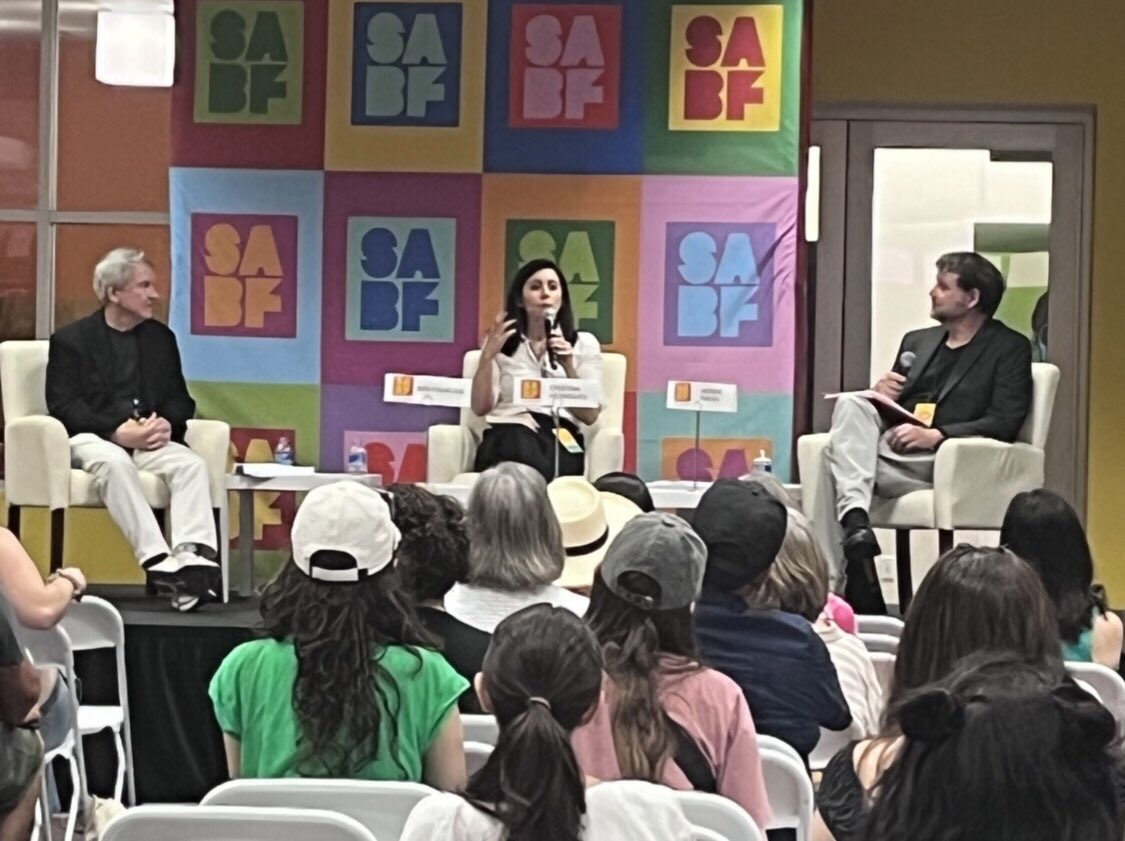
point(666, 718)
point(341, 684)
point(1044, 530)
point(1004, 749)
point(535, 337)
point(541, 678)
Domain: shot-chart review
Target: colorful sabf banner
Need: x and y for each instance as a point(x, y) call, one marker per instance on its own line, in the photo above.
point(354, 183)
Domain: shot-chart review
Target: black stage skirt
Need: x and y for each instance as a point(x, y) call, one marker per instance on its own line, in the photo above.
point(533, 447)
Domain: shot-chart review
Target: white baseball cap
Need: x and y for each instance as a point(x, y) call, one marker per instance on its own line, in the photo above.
point(346, 517)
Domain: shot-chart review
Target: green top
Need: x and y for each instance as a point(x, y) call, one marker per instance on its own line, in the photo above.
point(252, 693)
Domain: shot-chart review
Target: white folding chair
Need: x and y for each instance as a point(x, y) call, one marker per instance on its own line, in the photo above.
point(884, 664)
point(232, 823)
point(879, 642)
point(831, 742)
point(51, 648)
point(1107, 684)
point(91, 624)
point(889, 625)
point(382, 807)
point(788, 787)
point(476, 754)
point(718, 814)
point(480, 728)
point(702, 833)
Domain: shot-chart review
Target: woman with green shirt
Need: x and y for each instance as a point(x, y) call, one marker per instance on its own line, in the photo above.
point(343, 684)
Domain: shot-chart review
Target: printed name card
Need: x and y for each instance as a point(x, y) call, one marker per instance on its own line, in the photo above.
point(428, 391)
point(552, 391)
point(702, 397)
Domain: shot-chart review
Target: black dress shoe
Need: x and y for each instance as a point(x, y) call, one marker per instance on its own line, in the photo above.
point(862, 590)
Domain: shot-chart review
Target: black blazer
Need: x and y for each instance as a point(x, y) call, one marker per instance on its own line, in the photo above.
point(80, 378)
point(988, 393)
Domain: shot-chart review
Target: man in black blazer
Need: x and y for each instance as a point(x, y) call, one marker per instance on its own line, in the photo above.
point(970, 376)
point(115, 381)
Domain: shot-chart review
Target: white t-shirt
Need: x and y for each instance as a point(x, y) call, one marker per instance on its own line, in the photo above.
point(588, 364)
point(628, 810)
point(858, 680)
point(485, 607)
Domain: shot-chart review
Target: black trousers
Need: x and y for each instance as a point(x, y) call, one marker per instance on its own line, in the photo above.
point(533, 447)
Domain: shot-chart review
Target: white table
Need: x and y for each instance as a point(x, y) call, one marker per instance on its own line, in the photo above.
point(247, 486)
point(665, 493)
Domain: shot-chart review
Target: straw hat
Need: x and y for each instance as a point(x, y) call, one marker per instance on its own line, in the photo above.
point(590, 519)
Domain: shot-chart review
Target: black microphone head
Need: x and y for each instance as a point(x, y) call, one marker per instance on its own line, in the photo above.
point(906, 361)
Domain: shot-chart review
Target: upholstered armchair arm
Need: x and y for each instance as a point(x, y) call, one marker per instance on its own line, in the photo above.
point(810, 450)
point(450, 450)
point(976, 478)
point(210, 440)
point(607, 453)
point(37, 462)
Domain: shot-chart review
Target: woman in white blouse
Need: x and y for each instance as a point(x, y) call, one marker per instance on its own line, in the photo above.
point(520, 344)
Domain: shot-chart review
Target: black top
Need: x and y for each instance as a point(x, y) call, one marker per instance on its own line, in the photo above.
point(464, 648)
point(10, 652)
point(840, 796)
point(934, 378)
point(126, 372)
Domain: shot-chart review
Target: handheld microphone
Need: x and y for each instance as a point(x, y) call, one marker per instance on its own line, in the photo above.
point(906, 361)
point(549, 316)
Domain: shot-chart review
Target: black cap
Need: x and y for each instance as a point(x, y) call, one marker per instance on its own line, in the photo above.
point(628, 485)
point(743, 527)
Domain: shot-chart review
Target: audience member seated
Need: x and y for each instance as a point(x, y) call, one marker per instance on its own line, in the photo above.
point(1043, 529)
point(542, 677)
point(590, 519)
point(798, 583)
point(628, 485)
point(665, 718)
point(515, 550)
point(1003, 749)
point(343, 685)
point(21, 751)
point(778, 660)
point(432, 556)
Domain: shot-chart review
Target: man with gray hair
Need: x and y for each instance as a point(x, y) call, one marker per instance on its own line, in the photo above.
point(115, 381)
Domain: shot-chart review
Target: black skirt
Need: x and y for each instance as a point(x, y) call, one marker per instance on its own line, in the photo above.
point(534, 447)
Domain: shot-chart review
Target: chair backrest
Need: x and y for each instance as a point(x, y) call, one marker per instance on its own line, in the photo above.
point(232, 823)
point(831, 742)
point(702, 833)
point(788, 787)
point(1044, 384)
point(381, 807)
point(884, 664)
point(480, 728)
point(879, 642)
point(23, 378)
point(476, 754)
point(722, 816)
point(889, 625)
point(1108, 684)
point(94, 623)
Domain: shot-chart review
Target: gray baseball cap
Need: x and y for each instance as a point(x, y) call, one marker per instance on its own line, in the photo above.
point(663, 547)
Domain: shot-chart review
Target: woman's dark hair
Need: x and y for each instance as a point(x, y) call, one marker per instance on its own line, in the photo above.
point(1004, 749)
point(974, 599)
point(339, 632)
point(641, 649)
point(513, 305)
point(542, 675)
point(1043, 529)
point(433, 554)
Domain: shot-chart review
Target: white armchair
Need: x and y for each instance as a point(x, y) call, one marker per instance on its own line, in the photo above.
point(37, 452)
point(974, 480)
point(451, 449)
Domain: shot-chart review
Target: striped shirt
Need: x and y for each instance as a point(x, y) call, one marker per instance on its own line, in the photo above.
point(857, 676)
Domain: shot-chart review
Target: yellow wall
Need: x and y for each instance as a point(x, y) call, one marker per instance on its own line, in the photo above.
point(1030, 52)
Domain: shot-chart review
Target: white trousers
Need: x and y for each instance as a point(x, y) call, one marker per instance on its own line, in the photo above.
point(858, 463)
point(119, 485)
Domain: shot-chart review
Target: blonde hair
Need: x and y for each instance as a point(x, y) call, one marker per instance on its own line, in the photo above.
point(798, 580)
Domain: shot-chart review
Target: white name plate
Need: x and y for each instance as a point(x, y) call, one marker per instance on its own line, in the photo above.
point(427, 391)
point(557, 391)
point(702, 397)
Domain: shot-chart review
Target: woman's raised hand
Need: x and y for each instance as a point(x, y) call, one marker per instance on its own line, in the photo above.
point(502, 329)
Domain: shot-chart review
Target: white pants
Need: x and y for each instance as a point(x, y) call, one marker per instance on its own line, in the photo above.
point(119, 485)
point(858, 463)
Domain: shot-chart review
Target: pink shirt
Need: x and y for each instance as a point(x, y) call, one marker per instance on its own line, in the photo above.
point(712, 708)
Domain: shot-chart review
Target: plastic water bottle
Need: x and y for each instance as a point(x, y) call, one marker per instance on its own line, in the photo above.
point(762, 464)
point(283, 452)
point(357, 458)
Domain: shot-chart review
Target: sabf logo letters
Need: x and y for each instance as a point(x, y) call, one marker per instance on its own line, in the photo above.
point(565, 66)
point(401, 279)
point(716, 457)
point(725, 68)
point(249, 62)
point(406, 64)
point(243, 275)
point(583, 250)
point(719, 284)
